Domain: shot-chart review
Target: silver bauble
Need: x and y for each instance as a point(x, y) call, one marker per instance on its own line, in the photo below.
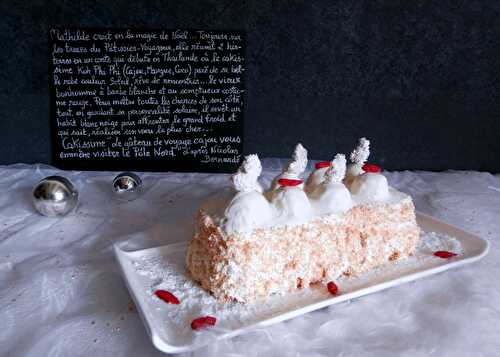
point(55, 196)
point(127, 186)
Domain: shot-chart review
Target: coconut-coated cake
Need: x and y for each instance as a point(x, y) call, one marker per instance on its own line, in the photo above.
point(344, 220)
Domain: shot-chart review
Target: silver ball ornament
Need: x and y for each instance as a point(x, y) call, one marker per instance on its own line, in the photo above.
point(127, 186)
point(55, 196)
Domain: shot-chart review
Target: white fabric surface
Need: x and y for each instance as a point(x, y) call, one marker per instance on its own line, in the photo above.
point(61, 293)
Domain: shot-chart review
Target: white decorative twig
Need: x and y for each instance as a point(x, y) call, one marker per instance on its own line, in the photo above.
point(245, 179)
point(298, 163)
point(336, 172)
point(361, 153)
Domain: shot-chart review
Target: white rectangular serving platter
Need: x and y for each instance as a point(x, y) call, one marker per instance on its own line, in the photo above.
point(170, 337)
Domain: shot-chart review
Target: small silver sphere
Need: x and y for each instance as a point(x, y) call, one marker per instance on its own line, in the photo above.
point(55, 196)
point(127, 186)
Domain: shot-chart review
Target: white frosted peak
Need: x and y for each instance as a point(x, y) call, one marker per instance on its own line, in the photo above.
point(245, 179)
point(336, 172)
point(299, 162)
point(361, 153)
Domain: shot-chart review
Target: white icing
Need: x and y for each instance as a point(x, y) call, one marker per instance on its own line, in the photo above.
point(249, 208)
point(290, 205)
point(331, 196)
point(245, 179)
point(294, 169)
point(370, 187)
point(291, 202)
point(246, 211)
point(217, 205)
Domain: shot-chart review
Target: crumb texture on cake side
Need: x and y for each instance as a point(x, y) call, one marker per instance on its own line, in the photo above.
point(249, 266)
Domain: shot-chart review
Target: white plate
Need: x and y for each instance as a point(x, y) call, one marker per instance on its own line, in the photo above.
point(168, 325)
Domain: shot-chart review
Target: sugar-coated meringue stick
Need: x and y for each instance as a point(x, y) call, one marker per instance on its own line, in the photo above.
point(245, 179)
point(287, 196)
point(336, 171)
point(299, 161)
point(294, 169)
point(362, 152)
point(358, 158)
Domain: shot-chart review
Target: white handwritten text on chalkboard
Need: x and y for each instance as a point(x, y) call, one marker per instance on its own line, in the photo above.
point(147, 99)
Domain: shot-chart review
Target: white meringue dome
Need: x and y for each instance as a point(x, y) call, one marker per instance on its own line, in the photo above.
point(370, 187)
point(247, 210)
point(332, 198)
point(291, 202)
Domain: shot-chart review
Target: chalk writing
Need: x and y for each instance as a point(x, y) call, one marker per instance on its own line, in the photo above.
point(147, 99)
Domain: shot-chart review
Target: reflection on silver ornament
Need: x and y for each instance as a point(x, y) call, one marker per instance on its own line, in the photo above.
point(55, 196)
point(127, 186)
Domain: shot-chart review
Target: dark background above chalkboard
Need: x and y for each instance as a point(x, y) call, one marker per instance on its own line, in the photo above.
point(419, 78)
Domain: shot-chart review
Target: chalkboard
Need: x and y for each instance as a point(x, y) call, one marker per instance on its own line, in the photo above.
point(155, 100)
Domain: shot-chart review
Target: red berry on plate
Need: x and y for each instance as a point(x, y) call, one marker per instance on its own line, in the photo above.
point(167, 296)
point(444, 254)
point(371, 168)
point(321, 164)
point(289, 182)
point(202, 322)
point(332, 288)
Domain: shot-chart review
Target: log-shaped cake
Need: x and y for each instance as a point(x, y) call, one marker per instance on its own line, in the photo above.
point(249, 244)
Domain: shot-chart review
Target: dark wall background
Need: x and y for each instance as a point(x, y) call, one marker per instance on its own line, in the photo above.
point(419, 78)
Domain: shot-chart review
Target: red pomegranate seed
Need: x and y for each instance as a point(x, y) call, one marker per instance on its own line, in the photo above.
point(289, 182)
point(202, 322)
point(371, 168)
point(444, 254)
point(167, 296)
point(321, 164)
point(332, 288)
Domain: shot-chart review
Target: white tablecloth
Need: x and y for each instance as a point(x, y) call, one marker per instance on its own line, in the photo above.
point(61, 293)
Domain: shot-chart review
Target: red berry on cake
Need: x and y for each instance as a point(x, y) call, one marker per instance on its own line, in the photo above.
point(365, 181)
point(294, 169)
point(322, 164)
point(287, 194)
point(371, 168)
point(289, 182)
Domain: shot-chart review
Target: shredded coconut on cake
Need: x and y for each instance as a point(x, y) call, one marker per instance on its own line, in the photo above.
point(166, 270)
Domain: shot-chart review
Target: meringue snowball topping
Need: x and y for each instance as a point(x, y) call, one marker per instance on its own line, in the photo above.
point(328, 191)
